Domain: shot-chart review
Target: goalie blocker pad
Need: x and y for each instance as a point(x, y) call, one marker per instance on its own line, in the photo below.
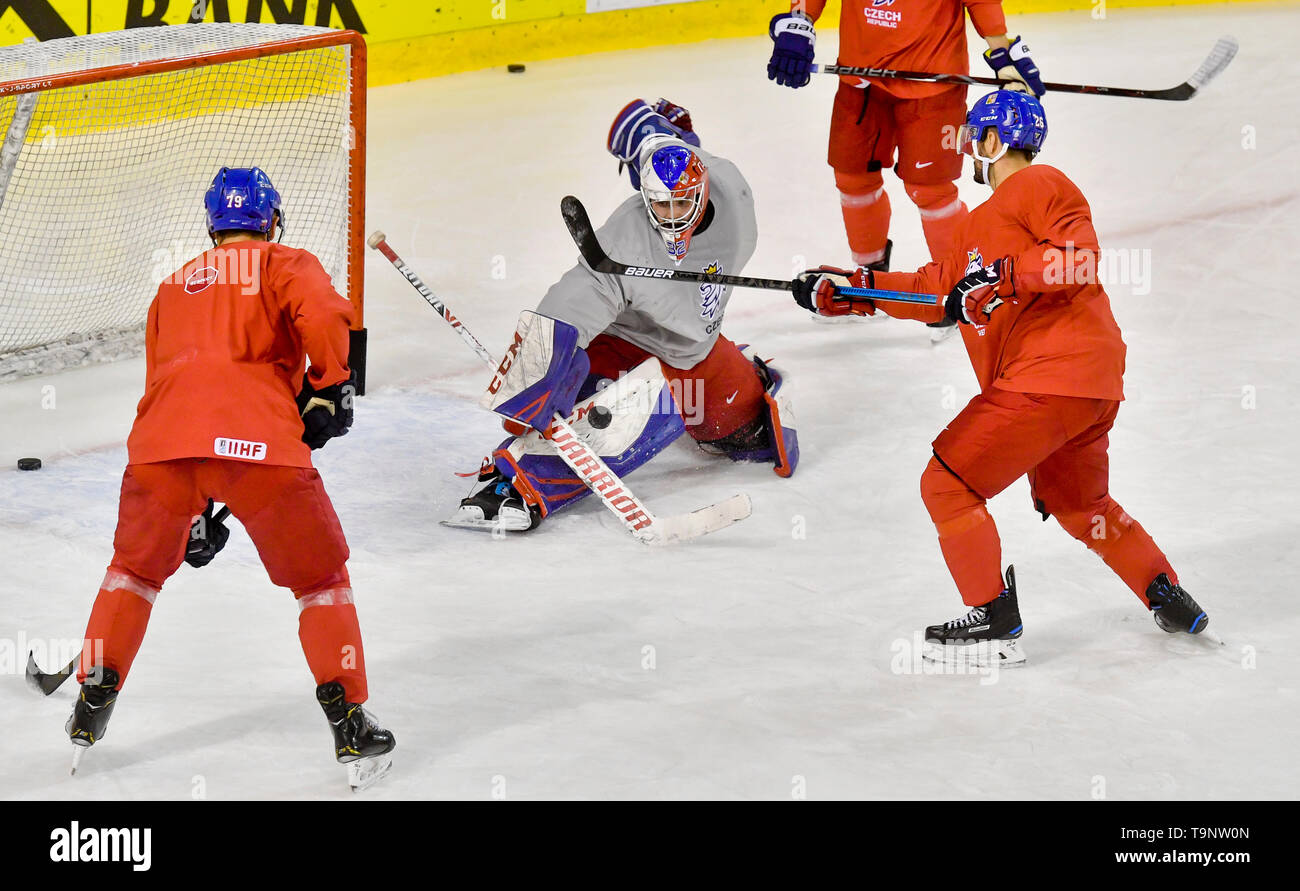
point(643, 420)
point(540, 374)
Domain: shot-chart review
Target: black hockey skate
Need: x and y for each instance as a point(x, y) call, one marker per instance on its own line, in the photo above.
point(987, 635)
point(882, 265)
point(1174, 609)
point(89, 719)
point(359, 742)
point(498, 505)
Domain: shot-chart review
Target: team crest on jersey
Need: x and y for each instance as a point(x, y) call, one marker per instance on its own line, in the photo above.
point(201, 279)
point(974, 261)
point(880, 15)
point(711, 294)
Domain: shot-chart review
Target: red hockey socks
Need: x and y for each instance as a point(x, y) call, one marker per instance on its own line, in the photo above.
point(117, 624)
point(865, 206)
point(968, 536)
point(331, 640)
point(1122, 542)
point(941, 210)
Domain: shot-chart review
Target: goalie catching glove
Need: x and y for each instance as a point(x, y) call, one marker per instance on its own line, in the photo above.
point(327, 412)
point(638, 126)
point(817, 290)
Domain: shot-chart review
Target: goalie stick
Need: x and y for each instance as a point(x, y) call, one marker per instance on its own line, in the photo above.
point(580, 228)
point(582, 459)
point(1225, 48)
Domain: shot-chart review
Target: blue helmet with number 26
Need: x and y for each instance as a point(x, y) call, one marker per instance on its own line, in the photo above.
point(243, 199)
point(1018, 117)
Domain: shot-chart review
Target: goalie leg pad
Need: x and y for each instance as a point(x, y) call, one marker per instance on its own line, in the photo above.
point(780, 444)
point(639, 419)
point(540, 374)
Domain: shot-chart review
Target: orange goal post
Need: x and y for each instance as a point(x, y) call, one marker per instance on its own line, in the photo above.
point(110, 142)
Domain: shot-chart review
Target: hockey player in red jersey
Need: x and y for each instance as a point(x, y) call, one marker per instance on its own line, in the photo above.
point(224, 416)
point(875, 121)
point(1021, 278)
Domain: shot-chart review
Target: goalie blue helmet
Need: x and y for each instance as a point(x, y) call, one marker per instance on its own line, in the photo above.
point(243, 199)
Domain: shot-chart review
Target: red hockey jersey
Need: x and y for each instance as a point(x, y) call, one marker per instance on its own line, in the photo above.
point(225, 345)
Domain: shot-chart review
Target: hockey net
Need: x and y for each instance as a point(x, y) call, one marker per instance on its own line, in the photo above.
point(110, 142)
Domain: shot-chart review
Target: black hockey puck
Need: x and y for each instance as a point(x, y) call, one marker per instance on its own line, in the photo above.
point(29, 463)
point(515, 68)
point(599, 417)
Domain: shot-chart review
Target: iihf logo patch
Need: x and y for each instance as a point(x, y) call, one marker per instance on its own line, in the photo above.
point(711, 294)
point(201, 280)
point(974, 261)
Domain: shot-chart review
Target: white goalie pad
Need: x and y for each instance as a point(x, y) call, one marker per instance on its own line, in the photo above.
point(527, 362)
point(631, 402)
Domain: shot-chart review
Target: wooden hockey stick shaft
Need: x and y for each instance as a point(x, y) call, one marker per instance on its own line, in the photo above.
point(1218, 59)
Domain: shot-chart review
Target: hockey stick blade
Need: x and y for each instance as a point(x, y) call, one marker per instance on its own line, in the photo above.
point(584, 236)
point(43, 683)
point(698, 523)
point(1225, 50)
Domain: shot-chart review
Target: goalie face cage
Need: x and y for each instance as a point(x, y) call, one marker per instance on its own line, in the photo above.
point(111, 141)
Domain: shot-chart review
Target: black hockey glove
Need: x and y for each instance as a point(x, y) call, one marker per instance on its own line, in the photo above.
point(327, 412)
point(207, 536)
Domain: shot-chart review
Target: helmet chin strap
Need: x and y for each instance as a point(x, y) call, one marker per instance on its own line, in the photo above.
point(987, 162)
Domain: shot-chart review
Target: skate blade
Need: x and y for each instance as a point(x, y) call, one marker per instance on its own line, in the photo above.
point(77, 751)
point(848, 320)
point(365, 772)
point(508, 521)
point(939, 335)
point(972, 657)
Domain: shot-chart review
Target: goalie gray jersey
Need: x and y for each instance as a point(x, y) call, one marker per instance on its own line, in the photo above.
point(677, 322)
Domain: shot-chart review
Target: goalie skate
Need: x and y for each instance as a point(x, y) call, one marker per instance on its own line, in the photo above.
point(496, 506)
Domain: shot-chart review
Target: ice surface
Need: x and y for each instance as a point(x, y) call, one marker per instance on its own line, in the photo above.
point(520, 666)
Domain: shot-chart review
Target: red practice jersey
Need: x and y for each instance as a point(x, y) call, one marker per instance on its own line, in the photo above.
point(226, 343)
point(909, 35)
point(1056, 335)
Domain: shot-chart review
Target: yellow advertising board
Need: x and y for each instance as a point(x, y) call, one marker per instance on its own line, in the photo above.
point(411, 39)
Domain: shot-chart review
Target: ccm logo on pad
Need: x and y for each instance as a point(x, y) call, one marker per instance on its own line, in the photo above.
point(239, 448)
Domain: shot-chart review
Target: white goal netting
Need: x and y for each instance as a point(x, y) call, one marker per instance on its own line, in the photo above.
point(102, 182)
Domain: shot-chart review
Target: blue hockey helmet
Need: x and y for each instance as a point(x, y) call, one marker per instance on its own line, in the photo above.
point(1018, 117)
point(243, 199)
